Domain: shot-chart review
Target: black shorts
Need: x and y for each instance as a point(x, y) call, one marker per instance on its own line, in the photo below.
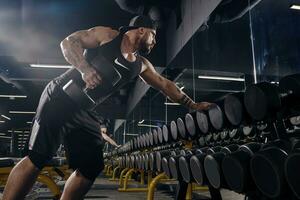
point(59, 120)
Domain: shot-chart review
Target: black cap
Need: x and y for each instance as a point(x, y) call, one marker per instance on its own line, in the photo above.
point(137, 22)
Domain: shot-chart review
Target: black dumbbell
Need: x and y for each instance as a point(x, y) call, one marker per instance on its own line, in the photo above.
point(137, 161)
point(174, 131)
point(146, 161)
point(196, 124)
point(174, 165)
point(292, 174)
point(86, 98)
point(184, 165)
point(197, 165)
point(235, 110)
point(155, 137)
point(143, 157)
point(132, 161)
point(127, 161)
point(151, 142)
point(267, 168)
point(213, 163)
point(158, 157)
point(228, 112)
point(236, 168)
point(181, 128)
point(160, 135)
point(165, 162)
point(264, 100)
point(147, 140)
point(166, 133)
point(141, 141)
point(152, 161)
point(138, 138)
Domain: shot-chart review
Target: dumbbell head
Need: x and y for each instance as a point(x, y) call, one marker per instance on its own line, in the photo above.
point(181, 128)
point(160, 135)
point(292, 172)
point(155, 137)
point(184, 165)
point(165, 163)
point(197, 168)
point(196, 123)
point(236, 170)
point(151, 142)
point(146, 161)
point(138, 142)
point(216, 117)
point(166, 133)
point(262, 100)
point(212, 166)
point(144, 142)
point(174, 166)
point(158, 157)
point(147, 140)
point(152, 161)
point(235, 110)
point(165, 166)
point(174, 130)
point(267, 169)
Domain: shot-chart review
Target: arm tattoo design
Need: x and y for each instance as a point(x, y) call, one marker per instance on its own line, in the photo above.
point(73, 52)
point(185, 100)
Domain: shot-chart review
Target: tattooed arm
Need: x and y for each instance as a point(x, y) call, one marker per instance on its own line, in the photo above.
point(169, 88)
point(74, 45)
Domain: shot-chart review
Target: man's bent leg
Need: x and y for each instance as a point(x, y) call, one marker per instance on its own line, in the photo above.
point(76, 187)
point(20, 180)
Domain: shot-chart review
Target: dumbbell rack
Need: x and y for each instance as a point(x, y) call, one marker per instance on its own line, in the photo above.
point(227, 129)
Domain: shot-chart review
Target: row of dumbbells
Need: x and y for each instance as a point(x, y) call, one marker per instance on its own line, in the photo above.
point(260, 102)
point(271, 168)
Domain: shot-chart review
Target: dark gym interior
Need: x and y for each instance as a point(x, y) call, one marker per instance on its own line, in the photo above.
point(242, 57)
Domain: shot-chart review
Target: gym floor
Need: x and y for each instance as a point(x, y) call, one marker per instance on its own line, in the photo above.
point(108, 190)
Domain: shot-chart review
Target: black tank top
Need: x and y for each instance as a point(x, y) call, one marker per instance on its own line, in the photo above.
point(111, 51)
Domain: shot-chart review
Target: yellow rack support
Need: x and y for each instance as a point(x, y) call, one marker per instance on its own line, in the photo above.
point(189, 192)
point(105, 169)
point(123, 172)
point(113, 178)
point(153, 184)
point(196, 187)
point(127, 176)
point(142, 177)
point(109, 169)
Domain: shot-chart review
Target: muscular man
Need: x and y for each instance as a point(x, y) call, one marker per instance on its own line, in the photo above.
point(59, 118)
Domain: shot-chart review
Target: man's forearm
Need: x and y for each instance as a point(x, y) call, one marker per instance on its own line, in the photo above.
point(109, 140)
point(178, 96)
point(73, 52)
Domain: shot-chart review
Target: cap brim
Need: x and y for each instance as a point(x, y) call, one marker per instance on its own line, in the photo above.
point(127, 28)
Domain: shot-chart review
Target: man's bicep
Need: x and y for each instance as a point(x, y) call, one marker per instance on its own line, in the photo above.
point(154, 79)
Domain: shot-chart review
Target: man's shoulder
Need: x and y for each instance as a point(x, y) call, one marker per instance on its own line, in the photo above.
point(104, 33)
point(111, 33)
